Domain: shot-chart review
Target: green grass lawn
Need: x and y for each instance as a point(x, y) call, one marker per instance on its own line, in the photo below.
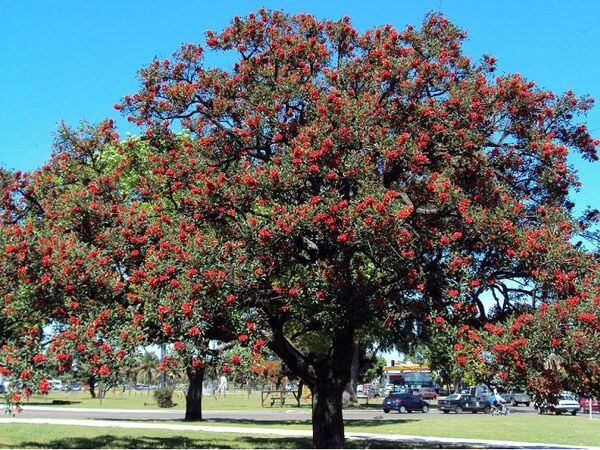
point(544, 429)
point(144, 400)
point(527, 428)
point(52, 436)
point(517, 427)
point(57, 436)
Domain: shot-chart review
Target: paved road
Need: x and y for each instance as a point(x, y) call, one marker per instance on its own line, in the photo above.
point(266, 415)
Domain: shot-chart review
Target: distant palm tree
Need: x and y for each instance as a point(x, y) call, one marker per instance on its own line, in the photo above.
point(146, 370)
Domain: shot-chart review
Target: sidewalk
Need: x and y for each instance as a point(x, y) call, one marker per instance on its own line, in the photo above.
point(423, 440)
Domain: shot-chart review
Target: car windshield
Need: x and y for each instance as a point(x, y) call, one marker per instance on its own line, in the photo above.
point(566, 397)
point(453, 397)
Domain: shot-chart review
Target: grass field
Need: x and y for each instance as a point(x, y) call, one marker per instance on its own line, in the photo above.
point(144, 400)
point(565, 430)
point(517, 427)
point(52, 436)
point(527, 428)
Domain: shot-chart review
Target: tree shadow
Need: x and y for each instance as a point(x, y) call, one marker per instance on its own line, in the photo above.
point(52, 403)
point(287, 423)
point(112, 441)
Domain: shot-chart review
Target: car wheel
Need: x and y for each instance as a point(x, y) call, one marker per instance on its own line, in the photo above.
point(574, 412)
point(486, 410)
point(446, 412)
point(425, 409)
point(386, 410)
point(513, 403)
point(557, 413)
point(474, 412)
point(458, 410)
point(527, 404)
point(402, 409)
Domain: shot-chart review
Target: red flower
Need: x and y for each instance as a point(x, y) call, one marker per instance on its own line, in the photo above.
point(179, 346)
point(193, 331)
point(587, 318)
point(104, 370)
point(38, 359)
point(445, 241)
point(453, 293)
point(343, 238)
point(44, 386)
point(235, 359)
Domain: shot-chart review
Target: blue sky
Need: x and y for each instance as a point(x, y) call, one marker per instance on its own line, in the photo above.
point(72, 60)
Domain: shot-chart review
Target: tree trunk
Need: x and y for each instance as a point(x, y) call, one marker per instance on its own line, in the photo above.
point(326, 378)
point(349, 396)
point(193, 398)
point(300, 389)
point(91, 383)
point(327, 417)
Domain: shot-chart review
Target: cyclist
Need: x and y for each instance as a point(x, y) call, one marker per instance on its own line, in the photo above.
point(497, 402)
point(492, 399)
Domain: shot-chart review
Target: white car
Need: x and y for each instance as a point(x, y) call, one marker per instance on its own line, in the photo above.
point(566, 404)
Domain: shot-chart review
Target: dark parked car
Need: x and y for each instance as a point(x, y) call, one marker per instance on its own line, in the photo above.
point(427, 393)
point(516, 398)
point(404, 403)
point(463, 402)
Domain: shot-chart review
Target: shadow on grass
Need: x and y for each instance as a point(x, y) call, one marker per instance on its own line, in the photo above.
point(259, 423)
point(286, 423)
point(53, 403)
point(111, 441)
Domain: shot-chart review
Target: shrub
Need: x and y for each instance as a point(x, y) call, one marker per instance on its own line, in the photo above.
point(164, 397)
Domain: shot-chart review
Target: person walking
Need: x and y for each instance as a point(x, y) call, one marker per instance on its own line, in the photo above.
point(222, 387)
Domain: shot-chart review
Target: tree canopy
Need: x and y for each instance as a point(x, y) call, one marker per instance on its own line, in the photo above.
point(330, 188)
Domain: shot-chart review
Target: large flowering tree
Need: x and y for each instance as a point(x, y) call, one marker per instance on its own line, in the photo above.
point(360, 186)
